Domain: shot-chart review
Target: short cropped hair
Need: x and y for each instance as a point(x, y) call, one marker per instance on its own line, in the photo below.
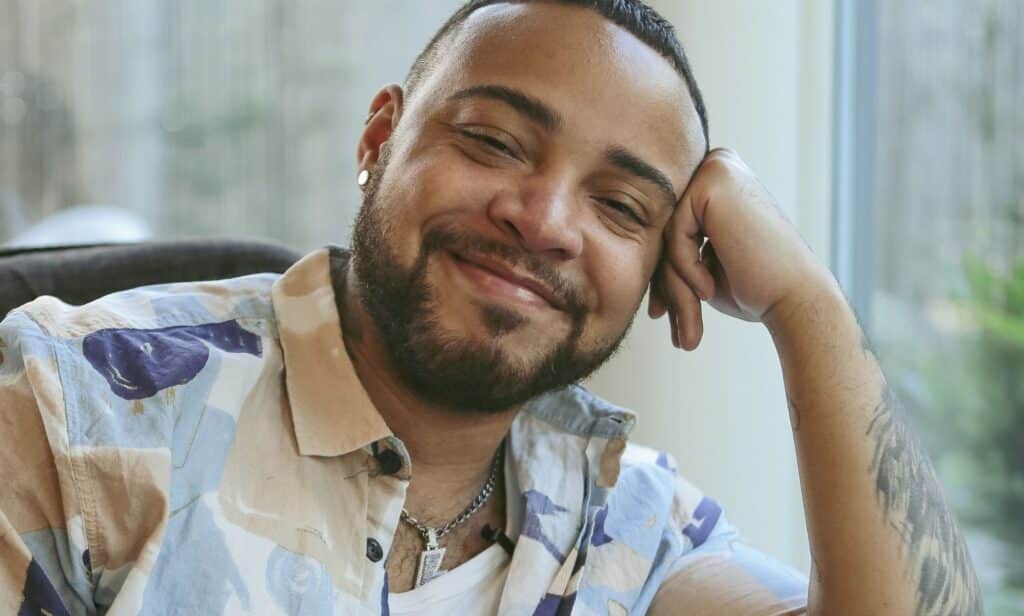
point(642, 21)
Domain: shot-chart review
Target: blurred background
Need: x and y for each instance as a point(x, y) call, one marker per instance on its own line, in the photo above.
point(892, 134)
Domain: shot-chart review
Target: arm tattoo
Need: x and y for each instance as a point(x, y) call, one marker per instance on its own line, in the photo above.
point(913, 503)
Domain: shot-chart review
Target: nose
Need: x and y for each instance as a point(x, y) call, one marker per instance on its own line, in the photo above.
point(540, 217)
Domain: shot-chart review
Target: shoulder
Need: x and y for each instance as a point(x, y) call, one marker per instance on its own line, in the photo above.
point(151, 307)
point(650, 520)
point(695, 555)
point(714, 568)
point(647, 474)
point(104, 363)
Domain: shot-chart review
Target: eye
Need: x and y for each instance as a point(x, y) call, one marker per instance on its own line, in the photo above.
point(492, 143)
point(622, 209)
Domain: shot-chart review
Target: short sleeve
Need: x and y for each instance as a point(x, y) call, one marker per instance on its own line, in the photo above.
point(719, 575)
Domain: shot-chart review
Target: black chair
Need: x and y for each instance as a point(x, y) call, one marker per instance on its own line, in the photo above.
point(80, 274)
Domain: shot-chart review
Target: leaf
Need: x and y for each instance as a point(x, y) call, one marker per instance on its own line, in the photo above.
point(1002, 326)
point(1015, 291)
point(981, 280)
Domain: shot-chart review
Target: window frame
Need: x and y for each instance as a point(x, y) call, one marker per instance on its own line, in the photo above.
point(853, 173)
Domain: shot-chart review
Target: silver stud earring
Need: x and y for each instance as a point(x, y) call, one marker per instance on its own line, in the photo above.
point(364, 177)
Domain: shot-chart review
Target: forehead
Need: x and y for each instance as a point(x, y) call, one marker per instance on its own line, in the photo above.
point(609, 86)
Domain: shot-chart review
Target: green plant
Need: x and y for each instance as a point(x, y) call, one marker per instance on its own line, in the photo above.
point(976, 405)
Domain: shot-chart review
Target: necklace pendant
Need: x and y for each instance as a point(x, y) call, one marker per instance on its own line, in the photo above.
point(430, 560)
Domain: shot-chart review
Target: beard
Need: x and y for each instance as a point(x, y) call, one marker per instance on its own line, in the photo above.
point(447, 368)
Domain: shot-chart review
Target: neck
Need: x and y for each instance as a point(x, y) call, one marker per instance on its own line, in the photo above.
point(451, 449)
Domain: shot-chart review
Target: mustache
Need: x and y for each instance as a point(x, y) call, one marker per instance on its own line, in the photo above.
point(458, 240)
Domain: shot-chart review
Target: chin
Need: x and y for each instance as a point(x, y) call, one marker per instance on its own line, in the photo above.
point(517, 335)
point(492, 321)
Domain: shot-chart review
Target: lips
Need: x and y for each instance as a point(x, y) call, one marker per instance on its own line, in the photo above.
point(497, 278)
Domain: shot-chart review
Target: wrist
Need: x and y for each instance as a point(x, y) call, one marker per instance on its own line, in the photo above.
point(819, 299)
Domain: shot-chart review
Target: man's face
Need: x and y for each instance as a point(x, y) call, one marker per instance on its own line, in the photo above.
point(514, 218)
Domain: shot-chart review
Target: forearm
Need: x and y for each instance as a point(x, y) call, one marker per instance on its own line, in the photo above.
point(883, 540)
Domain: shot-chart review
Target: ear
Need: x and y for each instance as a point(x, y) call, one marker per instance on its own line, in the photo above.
point(385, 111)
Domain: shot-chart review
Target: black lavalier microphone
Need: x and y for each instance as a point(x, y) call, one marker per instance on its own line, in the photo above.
point(493, 535)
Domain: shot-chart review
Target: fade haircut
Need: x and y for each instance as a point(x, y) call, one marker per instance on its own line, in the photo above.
point(640, 20)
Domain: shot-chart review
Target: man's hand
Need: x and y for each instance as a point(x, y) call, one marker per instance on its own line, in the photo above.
point(753, 262)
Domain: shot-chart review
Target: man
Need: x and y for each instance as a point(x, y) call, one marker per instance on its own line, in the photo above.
point(397, 430)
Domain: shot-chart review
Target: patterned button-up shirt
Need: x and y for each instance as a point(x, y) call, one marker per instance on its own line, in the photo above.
point(207, 448)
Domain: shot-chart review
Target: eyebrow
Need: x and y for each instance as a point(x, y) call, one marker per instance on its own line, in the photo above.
point(542, 114)
point(633, 164)
point(552, 122)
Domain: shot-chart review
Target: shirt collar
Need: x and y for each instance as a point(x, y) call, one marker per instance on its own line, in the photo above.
point(331, 412)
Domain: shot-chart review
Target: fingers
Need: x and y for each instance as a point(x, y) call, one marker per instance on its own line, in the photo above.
point(682, 278)
point(683, 241)
point(685, 259)
point(656, 304)
point(710, 260)
point(684, 309)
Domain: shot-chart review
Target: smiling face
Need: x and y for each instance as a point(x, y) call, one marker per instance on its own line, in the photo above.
point(514, 217)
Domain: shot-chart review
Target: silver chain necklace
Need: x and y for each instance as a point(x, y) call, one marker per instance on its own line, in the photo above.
point(431, 557)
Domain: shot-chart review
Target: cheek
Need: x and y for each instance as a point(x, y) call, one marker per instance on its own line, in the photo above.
point(408, 196)
point(621, 277)
point(434, 183)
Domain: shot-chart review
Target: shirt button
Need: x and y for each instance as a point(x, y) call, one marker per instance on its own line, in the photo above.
point(373, 550)
point(389, 461)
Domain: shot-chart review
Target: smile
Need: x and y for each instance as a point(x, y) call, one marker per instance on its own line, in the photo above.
point(498, 282)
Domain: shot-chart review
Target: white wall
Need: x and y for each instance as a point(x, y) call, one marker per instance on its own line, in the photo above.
point(766, 74)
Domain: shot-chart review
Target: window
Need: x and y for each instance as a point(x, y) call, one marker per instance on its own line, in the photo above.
point(125, 120)
point(929, 244)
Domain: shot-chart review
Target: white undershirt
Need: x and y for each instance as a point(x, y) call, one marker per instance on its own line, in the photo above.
point(473, 588)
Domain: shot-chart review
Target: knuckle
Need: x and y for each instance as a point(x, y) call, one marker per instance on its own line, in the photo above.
point(726, 162)
point(718, 167)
